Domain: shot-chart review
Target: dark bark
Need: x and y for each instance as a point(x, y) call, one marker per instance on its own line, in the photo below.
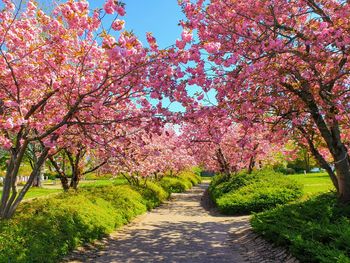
point(10, 204)
point(224, 165)
point(252, 160)
point(10, 191)
point(323, 163)
point(307, 162)
point(330, 132)
point(61, 174)
point(37, 180)
point(27, 186)
point(251, 165)
point(337, 149)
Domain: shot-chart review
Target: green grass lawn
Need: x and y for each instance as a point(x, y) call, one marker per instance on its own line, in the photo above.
point(314, 183)
point(38, 192)
point(56, 188)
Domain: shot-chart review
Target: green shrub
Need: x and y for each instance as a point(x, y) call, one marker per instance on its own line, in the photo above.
point(94, 176)
point(47, 229)
point(153, 194)
point(245, 193)
point(317, 230)
point(221, 185)
point(197, 170)
point(51, 176)
point(173, 184)
point(124, 198)
point(190, 176)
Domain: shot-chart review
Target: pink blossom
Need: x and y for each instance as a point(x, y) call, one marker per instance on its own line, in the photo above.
point(118, 24)
point(180, 44)
point(212, 47)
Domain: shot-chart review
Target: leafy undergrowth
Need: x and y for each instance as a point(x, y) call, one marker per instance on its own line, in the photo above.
point(317, 230)
point(46, 229)
point(180, 182)
point(245, 193)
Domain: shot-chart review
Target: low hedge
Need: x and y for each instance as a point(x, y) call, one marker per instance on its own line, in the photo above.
point(174, 184)
point(49, 228)
point(153, 194)
point(190, 176)
point(245, 193)
point(317, 230)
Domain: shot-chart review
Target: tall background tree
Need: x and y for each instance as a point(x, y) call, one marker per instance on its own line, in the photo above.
point(281, 62)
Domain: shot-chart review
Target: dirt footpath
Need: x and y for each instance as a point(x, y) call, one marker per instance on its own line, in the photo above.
point(185, 229)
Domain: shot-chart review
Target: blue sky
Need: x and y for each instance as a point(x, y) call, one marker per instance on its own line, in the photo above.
point(161, 17)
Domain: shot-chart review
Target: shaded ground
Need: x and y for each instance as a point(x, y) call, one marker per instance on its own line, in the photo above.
point(185, 229)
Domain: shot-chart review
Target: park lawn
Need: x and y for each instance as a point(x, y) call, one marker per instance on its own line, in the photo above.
point(314, 183)
point(39, 192)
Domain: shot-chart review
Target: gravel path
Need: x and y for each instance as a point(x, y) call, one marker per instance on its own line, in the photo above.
point(184, 230)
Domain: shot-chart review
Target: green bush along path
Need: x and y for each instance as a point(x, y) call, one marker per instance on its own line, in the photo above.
point(245, 193)
point(52, 226)
point(299, 212)
point(315, 229)
point(186, 229)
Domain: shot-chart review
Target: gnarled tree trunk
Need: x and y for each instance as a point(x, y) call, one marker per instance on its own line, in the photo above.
point(11, 197)
point(224, 165)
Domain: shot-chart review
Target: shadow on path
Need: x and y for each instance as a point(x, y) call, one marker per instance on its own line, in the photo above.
point(186, 229)
point(183, 230)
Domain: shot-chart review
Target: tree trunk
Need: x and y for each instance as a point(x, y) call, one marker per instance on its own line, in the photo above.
point(76, 176)
point(64, 182)
point(224, 165)
point(10, 198)
point(342, 168)
point(61, 174)
point(307, 162)
point(330, 132)
point(9, 193)
point(323, 163)
point(251, 165)
point(37, 178)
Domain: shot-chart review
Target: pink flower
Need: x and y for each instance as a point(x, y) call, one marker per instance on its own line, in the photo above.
point(152, 41)
point(186, 35)
point(9, 124)
point(109, 7)
point(180, 44)
point(120, 10)
point(212, 47)
point(118, 25)
point(200, 97)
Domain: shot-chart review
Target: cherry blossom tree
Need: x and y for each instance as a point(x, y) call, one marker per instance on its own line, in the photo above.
point(282, 62)
point(63, 70)
point(220, 144)
point(151, 154)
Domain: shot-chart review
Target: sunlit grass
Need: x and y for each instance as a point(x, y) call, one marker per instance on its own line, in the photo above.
point(314, 183)
point(50, 188)
point(39, 192)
